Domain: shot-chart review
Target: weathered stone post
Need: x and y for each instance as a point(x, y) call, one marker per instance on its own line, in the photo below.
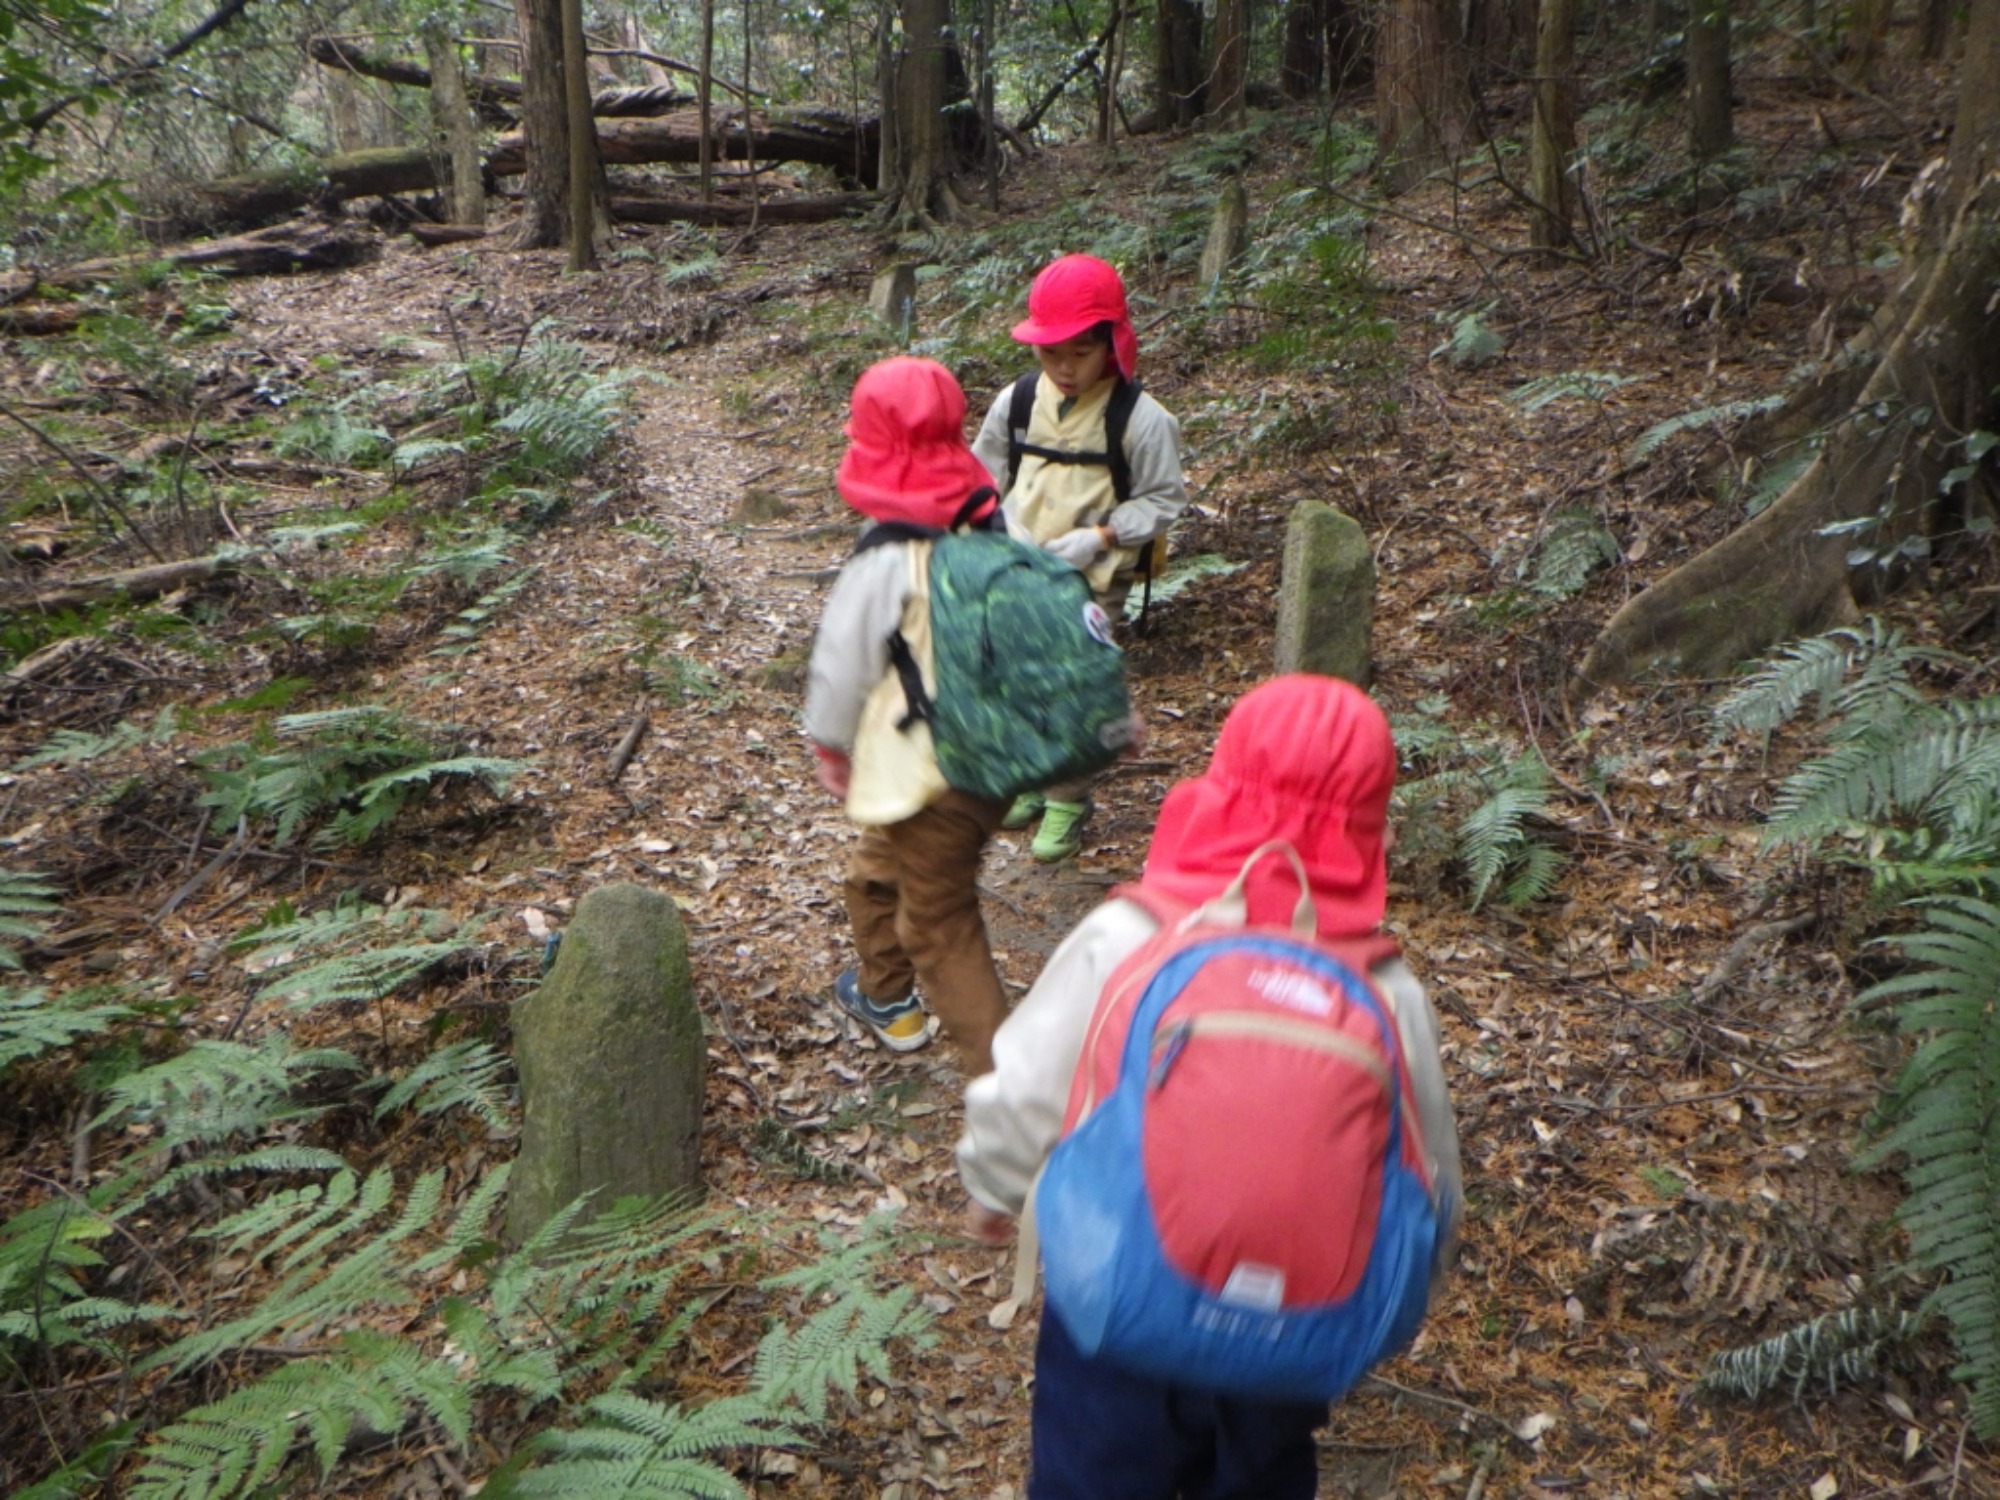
point(893, 298)
point(1228, 228)
point(1326, 598)
point(611, 1058)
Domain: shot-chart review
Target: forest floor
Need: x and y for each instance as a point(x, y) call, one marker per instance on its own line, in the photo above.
point(1657, 1079)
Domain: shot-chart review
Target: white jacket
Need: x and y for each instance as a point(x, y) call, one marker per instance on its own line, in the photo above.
point(1014, 1114)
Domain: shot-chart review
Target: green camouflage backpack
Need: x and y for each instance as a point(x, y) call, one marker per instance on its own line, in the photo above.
point(1030, 684)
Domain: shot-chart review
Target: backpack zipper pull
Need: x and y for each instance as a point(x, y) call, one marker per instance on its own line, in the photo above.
point(1169, 1052)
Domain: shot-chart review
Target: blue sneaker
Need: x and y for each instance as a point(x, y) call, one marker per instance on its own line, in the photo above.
point(900, 1025)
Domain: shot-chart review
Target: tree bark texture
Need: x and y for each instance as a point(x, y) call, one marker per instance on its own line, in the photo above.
point(583, 197)
point(921, 189)
point(1231, 70)
point(545, 208)
point(1710, 132)
point(1553, 143)
point(1302, 56)
point(458, 133)
point(1423, 102)
point(1177, 69)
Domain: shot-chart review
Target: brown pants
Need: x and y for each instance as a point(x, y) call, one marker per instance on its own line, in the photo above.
point(913, 897)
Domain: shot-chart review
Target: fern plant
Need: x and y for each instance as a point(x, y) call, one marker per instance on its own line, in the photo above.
point(1492, 798)
point(32, 1023)
point(26, 902)
point(1909, 787)
point(1847, 1346)
point(357, 768)
point(353, 952)
point(75, 747)
point(1575, 546)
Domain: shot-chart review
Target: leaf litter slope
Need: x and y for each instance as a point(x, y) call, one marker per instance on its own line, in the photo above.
point(1656, 1091)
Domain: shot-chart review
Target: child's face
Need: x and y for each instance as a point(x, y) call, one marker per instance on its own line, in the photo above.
point(1075, 365)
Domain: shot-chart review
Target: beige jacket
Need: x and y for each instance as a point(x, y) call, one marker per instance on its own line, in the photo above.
point(854, 699)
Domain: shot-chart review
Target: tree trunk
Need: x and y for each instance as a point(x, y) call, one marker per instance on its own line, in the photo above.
point(458, 133)
point(920, 193)
point(1867, 34)
point(1232, 61)
point(1302, 59)
point(1114, 57)
point(1554, 139)
point(1710, 132)
point(1929, 359)
point(705, 100)
point(1423, 103)
point(545, 209)
point(1177, 69)
point(584, 168)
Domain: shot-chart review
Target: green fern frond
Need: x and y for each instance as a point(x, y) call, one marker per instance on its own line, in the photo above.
point(89, 1471)
point(372, 1382)
point(26, 902)
point(633, 1449)
point(1576, 546)
point(470, 1073)
point(1946, 1125)
point(75, 747)
point(216, 1091)
point(1546, 390)
point(43, 1297)
point(798, 1366)
point(1535, 874)
point(273, 1160)
point(31, 1023)
point(318, 1288)
point(1845, 1347)
point(1728, 411)
point(1880, 655)
point(1494, 835)
point(354, 953)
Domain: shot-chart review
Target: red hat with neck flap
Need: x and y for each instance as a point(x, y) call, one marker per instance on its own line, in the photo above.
point(1309, 760)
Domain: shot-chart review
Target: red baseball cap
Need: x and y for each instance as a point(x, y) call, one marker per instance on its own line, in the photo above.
point(1072, 296)
point(907, 458)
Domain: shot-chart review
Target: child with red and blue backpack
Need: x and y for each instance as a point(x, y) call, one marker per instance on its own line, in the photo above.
point(1090, 466)
point(1179, 1397)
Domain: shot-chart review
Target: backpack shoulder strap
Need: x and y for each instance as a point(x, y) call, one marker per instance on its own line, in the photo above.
point(882, 533)
point(1020, 412)
point(1117, 417)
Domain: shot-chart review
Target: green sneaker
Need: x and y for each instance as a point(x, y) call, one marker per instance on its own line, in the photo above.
point(1061, 833)
point(1027, 807)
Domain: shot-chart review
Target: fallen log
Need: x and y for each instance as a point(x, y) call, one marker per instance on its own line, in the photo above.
point(497, 99)
point(148, 582)
point(445, 234)
point(39, 319)
point(302, 246)
point(815, 137)
point(815, 210)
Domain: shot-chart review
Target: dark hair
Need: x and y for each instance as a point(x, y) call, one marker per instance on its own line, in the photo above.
point(1101, 333)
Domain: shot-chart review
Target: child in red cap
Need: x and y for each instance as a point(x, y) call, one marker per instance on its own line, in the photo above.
point(1302, 759)
point(911, 886)
point(1067, 490)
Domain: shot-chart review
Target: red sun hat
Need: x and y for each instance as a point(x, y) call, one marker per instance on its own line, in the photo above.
point(1071, 297)
point(907, 458)
point(1302, 758)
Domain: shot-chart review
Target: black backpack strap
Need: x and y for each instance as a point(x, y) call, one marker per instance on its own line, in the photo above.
point(1020, 412)
point(920, 710)
point(964, 519)
point(882, 533)
point(1117, 417)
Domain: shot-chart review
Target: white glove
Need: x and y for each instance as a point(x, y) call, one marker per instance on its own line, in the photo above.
point(1079, 548)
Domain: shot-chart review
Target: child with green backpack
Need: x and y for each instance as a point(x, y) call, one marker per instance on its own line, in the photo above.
point(921, 725)
point(1091, 469)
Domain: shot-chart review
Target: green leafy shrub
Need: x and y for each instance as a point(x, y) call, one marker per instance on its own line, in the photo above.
point(1482, 808)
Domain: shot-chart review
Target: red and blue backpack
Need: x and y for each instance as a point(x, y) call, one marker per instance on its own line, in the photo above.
point(1241, 1199)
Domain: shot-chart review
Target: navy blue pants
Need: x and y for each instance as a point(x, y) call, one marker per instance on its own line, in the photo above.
point(1101, 1433)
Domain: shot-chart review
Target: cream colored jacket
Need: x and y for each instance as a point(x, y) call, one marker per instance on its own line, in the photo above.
point(1048, 499)
point(854, 699)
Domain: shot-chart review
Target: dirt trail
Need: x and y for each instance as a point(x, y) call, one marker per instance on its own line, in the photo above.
point(1650, 1180)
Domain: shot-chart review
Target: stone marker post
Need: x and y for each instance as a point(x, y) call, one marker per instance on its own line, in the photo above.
point(611, 1057)
point(1326, 597)
point(1228, 228)
point(893, 298)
